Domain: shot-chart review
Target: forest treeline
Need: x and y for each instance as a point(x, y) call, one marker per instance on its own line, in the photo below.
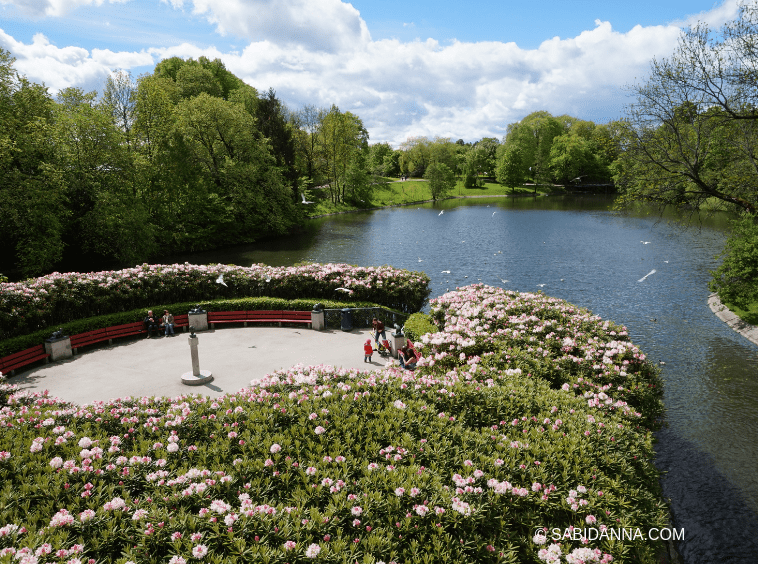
point(190, 157)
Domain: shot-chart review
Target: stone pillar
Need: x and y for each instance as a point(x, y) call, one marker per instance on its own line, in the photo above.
point(58, 347)
point(198, 318)
point(197, 376)
point(397, 340)
point(317, 318)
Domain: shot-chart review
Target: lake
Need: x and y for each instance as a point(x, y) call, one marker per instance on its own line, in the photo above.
point(640, 271)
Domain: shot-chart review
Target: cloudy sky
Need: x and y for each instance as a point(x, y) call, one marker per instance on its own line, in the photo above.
point(418, 67)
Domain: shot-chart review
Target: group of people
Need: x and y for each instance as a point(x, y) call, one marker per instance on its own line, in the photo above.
point(407, 355)
point(154, 323)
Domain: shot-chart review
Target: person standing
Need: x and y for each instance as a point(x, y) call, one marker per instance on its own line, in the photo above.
point(378, 329)
point(368, 350)
point(168, 322)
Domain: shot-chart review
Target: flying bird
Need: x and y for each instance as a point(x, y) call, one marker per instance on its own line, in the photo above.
point(304, 200)
point(445, 272)
point(220, 280)
point(439, 214)
point(504, 281)
point(493, 213)
point(645, 242)
point(344, 290)
point(646, 275)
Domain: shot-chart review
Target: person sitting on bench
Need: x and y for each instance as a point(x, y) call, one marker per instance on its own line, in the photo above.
point(152, 323)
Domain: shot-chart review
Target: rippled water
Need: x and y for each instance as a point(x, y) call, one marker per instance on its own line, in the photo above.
point(575, 249)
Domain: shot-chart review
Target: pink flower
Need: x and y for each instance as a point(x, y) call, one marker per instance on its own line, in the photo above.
point(275, 448)
point(319, 430)
point(199, 551)
point(312, 551)
point(289, 545)
point(357, 510)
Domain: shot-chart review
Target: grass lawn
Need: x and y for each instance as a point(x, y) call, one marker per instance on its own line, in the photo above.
point(417, 190)
point(749, 315)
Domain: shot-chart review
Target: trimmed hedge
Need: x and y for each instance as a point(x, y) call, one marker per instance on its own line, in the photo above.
point(16, 344)
point(26, 307)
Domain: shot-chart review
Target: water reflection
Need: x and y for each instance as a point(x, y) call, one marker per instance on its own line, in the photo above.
point(575, 248)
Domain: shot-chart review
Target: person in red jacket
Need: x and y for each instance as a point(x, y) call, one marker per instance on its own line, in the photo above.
point(368, 350)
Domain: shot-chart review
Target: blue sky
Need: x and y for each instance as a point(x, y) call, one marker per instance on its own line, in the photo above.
point(433, 68)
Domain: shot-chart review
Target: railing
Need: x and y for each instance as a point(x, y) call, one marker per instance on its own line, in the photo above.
point(363, 316)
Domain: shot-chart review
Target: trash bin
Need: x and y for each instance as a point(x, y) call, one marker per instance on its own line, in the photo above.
point(347, 319)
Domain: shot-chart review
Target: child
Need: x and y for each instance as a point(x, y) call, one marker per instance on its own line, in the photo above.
point(368, 350)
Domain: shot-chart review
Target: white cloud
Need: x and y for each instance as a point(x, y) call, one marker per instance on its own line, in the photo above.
point(62, 67)
point(39, 8)
point(321, 25)
point(323, 55)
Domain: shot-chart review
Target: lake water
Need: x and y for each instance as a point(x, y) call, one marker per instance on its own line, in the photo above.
point(575, 248)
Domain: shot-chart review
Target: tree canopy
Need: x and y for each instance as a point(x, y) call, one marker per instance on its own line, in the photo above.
point(691, 136)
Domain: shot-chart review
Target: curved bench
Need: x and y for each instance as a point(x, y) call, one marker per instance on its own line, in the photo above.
point(259, 316)
point(125, 330)
point(16, 360)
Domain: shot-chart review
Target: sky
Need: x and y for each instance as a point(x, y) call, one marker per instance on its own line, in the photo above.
point(447, 68)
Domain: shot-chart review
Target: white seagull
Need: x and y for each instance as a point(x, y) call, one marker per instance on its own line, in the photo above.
point(304, 200)
point(344, 290)
point(220, 280)
point(439, 214)
point(541, 285)
point(645, 242)
point(445, 272)
point(646, 275)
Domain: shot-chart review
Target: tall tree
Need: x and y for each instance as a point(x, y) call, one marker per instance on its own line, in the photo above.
point(692, 136)
point(33, 213)
point(441, 179)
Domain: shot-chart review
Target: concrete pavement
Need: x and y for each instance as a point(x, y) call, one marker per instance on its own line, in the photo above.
point(750, 332)
point(154, 367)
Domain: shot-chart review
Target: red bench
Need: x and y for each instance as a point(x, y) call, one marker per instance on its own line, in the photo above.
point(88, 338)
point(16, 360)
point(259, 316)
point(124, 330)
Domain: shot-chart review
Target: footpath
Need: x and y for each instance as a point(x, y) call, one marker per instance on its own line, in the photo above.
point(750, 332)
point(154, 367)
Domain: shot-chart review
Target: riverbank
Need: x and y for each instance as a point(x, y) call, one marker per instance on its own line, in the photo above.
point(417, 202)
point(750, 332)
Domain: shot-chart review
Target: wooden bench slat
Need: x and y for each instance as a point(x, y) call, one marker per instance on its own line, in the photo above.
point(16, 360)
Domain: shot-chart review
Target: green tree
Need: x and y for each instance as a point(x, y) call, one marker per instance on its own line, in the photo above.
point(340, 139)
point(691, 137)
point(510, 168)
point(241, 185)
point(441, 179)
point(736, 279)
point(33, 212)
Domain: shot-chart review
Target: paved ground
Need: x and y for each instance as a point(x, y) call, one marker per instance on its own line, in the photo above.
point(154, 367)
point(750, 332)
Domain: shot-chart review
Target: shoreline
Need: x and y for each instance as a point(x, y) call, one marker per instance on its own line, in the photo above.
point(428, 201)
point(750, 332)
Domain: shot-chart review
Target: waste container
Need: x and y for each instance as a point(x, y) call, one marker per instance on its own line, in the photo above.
point(347, 319)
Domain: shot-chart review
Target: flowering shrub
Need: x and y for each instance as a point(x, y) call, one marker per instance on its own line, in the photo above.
point(461, 460)
point(56, 298)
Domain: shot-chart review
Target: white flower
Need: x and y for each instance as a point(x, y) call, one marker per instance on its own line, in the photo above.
point(312, 551)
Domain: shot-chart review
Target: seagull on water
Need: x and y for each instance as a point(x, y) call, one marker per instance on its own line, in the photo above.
point(419, 259)
point(304, 200)
point(220, 280)
point(646, 275)
point(645, 242)
point(504, 281)
point(541, 285)
point(445, 272)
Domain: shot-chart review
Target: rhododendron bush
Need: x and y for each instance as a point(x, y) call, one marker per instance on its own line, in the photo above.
point(56, 298)
point(461, 460)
